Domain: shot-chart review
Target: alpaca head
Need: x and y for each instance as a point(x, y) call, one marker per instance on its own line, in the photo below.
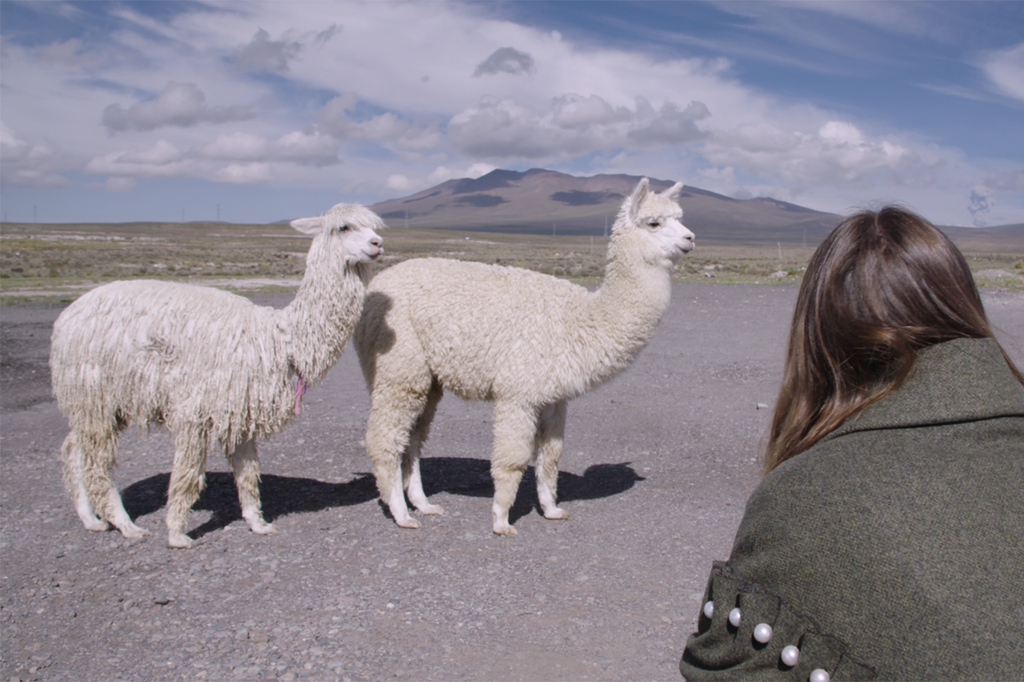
point(345, 235)
point(652, 222)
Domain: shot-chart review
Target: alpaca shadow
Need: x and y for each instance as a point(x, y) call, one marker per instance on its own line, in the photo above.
point(280, 495)
point(472, 477)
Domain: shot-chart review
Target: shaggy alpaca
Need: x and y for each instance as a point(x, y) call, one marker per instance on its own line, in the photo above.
point(527, 341)
point(207, 364)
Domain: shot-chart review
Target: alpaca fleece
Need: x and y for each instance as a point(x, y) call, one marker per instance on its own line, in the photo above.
point(526, 341)
point(207, 364)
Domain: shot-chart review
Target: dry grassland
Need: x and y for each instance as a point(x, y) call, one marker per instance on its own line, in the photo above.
point(60, 261)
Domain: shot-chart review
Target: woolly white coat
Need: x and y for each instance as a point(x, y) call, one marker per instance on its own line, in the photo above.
point(206, 363)
point(527, 341)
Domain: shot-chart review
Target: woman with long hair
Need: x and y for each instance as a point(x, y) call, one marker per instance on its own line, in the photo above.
point(886, 540)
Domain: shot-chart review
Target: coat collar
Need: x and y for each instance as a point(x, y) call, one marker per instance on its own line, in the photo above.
point(956, 381)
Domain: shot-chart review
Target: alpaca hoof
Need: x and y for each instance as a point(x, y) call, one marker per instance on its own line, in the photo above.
point(506, 530)
point(556, 513)
point(262, 528)
point(134, 532)
point(408, 523)
point(179, 541)
point(432, 509)
point(96, 525)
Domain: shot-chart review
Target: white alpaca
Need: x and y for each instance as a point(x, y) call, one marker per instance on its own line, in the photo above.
point(527, 341)
point(207, 364)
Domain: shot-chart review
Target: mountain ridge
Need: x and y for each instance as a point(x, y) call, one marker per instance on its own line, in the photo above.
point(540, 201)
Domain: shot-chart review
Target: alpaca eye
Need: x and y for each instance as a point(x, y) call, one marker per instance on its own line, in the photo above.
point(343, 228)
point(653, 223)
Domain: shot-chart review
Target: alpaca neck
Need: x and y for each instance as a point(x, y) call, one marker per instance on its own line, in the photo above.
point(323, 313)
point(636, 289)
point(626, 309)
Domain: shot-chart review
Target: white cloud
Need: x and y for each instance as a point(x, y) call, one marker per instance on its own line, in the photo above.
point(270, 92)
point(837, 152)
point(31, 165)
point(306, 148)
point(238, 146)
point(571, 124)
point(1006, 181)
point(244, 174)
point(443, 173)
point(160, 154)
point(180, 104)
point(120, 184)
point(400, 183)
point(1005, 70)
point(263, 54)
point(506, 60)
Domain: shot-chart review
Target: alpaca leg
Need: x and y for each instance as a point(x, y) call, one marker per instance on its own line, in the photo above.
point(550, 442)
point(411, 460)
point(95, 462)
point(245, 463)
point(514, 428)
point(73, 480)
point(188, 478)
point(392, 416)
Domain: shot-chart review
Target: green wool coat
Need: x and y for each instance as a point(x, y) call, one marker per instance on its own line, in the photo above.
point(893, 549)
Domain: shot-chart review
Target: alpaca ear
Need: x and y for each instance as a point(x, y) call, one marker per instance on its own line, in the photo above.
point(308, 225)
point(638, 196)
point(673, 192)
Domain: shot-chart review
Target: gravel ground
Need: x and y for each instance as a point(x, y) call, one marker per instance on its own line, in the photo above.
point(658, 465)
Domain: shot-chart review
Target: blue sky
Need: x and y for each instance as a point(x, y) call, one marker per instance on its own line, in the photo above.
point(260, 111)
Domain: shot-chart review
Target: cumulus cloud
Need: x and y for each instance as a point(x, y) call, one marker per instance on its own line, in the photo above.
point(1008, 181)
point(30, 165)
point(179, 105)
point(476, 170)
point(306, 148)
point(244, 174)
point(402, 183)
point(838, 152)
point(310, 148)
point(1005, 70)
point(572, 124)
point(263, 54)
point(506, 60)
point(981, 204)
point(163, 159)
point(338, 121)
point(668, 126)
point(238, 158)
point(577, 112)
point(237, 146)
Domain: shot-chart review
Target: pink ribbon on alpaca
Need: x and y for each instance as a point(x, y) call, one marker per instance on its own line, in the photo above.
point(300, 390)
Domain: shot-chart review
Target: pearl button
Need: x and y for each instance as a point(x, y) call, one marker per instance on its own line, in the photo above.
point(820, 675)
point(709, 609)
point(790, 655)
point(734, 617)
point(763, 633)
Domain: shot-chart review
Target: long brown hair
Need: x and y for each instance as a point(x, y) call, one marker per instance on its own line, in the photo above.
point(883, 285)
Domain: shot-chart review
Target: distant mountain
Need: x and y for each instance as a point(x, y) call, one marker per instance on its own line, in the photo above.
point(999, 238)
point(544, 202)
point(541, 201)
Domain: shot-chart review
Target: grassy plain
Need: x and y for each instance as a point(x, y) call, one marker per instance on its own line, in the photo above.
point(60, 261)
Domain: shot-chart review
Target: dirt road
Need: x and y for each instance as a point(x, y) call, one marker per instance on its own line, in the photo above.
point(658, 465)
